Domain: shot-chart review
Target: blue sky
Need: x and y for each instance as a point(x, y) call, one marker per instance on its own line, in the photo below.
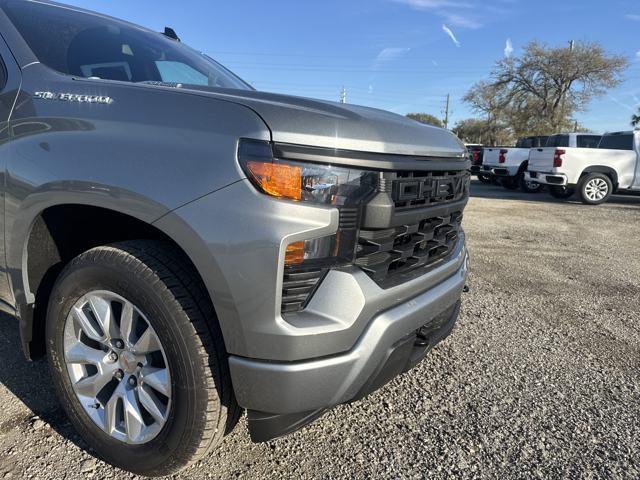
point(399, 55)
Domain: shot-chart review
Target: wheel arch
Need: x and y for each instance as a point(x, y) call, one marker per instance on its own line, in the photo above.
point(608, 171)
point(524, 166)
point(57, 234)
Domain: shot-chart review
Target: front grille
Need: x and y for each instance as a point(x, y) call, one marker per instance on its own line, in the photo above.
point(408, 225)
point(298, 285)
point(394, 255)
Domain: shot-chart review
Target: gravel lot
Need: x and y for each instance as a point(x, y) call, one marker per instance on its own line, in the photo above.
point(540, 377)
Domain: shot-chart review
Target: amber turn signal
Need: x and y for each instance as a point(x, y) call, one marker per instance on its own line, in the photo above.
point(294, 253)
point(277, 179)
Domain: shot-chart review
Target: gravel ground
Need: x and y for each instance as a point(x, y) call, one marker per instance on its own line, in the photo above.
point(539, 379)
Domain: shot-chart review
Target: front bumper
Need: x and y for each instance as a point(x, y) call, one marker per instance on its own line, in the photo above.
point(287, 369)
point(546, 178)
point(284, 396)
point(501, 171)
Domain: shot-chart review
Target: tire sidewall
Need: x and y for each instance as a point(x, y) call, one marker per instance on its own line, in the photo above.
point(119, 277)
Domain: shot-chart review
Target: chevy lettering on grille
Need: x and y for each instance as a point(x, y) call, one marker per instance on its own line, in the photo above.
point(444, 187)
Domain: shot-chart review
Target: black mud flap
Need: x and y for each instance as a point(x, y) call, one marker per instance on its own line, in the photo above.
point(267, 426)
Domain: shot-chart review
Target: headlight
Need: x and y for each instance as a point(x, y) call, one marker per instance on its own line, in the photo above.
point(343, 188)
point(301, 181)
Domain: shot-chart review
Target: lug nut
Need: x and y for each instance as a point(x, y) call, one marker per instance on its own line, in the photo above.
point(132, 381)
point(119, 344)
point(119, 374)
point(113, 356)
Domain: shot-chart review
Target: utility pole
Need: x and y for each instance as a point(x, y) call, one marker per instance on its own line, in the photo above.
point(343, 95)
point(446, 113)
point(571, 45)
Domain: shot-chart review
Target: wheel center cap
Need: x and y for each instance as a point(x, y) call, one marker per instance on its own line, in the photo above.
point(128, 362)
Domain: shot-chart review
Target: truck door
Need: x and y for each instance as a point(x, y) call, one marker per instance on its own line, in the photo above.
point(9, 87)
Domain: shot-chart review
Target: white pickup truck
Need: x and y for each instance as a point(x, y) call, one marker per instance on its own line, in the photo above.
point(595, 173)
point(508, 164)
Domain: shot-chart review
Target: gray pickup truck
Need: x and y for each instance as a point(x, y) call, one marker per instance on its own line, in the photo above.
point(183, 247)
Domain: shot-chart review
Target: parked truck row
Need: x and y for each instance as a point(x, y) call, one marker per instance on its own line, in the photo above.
point(592, 166)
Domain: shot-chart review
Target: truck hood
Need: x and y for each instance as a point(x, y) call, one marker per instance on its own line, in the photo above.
point(304, 121)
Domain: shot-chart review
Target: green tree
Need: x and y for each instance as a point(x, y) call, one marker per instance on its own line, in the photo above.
point(540, 91)
point(635, 119)
point(474, 130)
point(426, 118)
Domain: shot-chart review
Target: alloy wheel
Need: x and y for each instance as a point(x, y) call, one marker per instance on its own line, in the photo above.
point(117, 367)
point(596, 189)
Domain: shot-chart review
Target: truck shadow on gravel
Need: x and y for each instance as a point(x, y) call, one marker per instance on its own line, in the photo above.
point(483, 190)
point(31, 383)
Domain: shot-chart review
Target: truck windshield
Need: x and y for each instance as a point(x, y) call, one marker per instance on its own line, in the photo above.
point(92, 46)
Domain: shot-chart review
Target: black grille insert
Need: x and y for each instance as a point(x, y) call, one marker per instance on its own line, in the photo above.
point(394, 255)
point(298, 285)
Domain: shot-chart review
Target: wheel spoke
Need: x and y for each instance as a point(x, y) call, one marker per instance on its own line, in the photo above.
point(101, 308)
point(132, 416)
point(147, 343)
point(158, 379)
point(111, 410)
point(91, 386)
point(81, 353)
point(126, 323)
point(88, 327)
point(151, 404)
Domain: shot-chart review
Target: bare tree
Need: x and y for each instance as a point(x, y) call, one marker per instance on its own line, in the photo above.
point(486, 100)
point(541, 90)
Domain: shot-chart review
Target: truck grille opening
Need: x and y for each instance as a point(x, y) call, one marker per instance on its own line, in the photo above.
point(395, 255)
point(298, 285)
point(422, 189)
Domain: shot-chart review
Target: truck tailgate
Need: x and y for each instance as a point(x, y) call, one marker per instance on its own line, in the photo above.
point(541, 159)
point(491, 156)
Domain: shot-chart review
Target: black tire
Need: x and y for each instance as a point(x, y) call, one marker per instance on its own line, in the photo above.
point(561, 193)
point(484, 178)
point(530, 187)
point(510, 183)
point(595, 188)
point(161, 283)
